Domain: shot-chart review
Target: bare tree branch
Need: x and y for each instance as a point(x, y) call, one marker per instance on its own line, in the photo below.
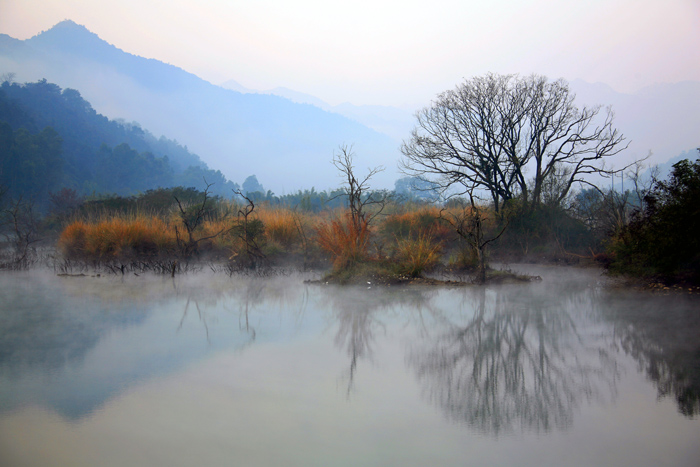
point(509, 135)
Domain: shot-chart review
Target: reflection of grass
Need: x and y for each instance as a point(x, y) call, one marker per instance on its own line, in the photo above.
point(506, 275)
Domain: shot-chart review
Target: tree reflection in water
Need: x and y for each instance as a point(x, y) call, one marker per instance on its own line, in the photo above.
point(517, 361)
point(357, 312)
point(661, 334)
point(245, 295)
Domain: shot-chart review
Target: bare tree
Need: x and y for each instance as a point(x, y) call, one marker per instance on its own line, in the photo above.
point(348, 239)
point(510, 136)
point(469, 224)
point(248, 230)
point(20, 227)
point(192, 218)
point(360, 198)
point(606, 211)
point(8, 77)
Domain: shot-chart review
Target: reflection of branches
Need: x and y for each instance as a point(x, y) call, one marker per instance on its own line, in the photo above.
point(245, 295)
point(513, 364)
point(355, 329)
point(202, 318)
point(660, 333)
point(357, 312)
point(253, 294)
point(304, 303)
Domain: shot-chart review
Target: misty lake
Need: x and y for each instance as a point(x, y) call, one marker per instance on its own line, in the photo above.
point(205, 369)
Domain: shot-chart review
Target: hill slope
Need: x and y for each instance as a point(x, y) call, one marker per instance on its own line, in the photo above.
point(287, 145)
point(53, 138)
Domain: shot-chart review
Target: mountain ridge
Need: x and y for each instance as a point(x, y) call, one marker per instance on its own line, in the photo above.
point(288, 146)
point(392, 121)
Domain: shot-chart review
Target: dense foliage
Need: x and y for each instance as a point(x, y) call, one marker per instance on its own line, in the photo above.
point(31, 165)
point(663, 238)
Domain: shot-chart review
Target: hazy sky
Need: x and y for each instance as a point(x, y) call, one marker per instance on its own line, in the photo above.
point(389, 52)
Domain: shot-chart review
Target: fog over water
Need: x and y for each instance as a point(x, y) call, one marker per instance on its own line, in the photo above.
point(215, 370)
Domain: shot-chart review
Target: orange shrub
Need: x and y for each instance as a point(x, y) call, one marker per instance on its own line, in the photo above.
point(346, 244)
point(72, 240)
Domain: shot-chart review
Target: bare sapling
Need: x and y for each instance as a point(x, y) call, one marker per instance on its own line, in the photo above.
point(192, 218)
point(20, 225)
point(348, 242)
point(249, 230)
point(469, 224)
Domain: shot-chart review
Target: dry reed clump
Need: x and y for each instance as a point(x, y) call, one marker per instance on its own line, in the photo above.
point(415, 239)
point(217, 233)
point(117, 237)
point(281, 226)
point(414, 223)
point(414, 255)
point(72, 240)
point(346, 243)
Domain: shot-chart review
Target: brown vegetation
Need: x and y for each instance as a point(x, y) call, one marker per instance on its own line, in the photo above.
point(403, 243)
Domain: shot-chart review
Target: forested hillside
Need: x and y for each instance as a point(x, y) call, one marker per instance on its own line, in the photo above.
point(52, 138)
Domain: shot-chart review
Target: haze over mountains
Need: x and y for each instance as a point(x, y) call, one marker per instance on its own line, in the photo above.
point(391, 121)
point(287, 138)
point(287, 145)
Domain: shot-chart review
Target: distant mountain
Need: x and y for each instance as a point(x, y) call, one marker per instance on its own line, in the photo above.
point(287, 145)
point(238, 87)
point(392, 121)
point(663, 119)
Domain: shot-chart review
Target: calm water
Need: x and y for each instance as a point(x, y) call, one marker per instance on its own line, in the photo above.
point(209, 370)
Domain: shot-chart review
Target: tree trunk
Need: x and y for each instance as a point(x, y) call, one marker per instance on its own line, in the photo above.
point(481, 271)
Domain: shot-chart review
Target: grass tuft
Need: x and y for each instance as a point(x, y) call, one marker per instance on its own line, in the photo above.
point(416, 255)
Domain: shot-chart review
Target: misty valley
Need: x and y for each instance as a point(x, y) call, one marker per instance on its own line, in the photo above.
point(502, 278)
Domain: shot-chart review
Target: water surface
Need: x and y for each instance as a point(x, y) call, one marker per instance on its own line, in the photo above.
point(211, 370)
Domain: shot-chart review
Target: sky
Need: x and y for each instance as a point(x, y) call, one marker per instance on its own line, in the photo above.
point(399, 53)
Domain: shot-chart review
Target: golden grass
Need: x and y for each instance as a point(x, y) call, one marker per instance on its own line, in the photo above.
point(414, 237)
point(413, 256)
point(280, 226)
point(346, 244)
point(117, 237)
point(416, 222)
point(105, 236)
